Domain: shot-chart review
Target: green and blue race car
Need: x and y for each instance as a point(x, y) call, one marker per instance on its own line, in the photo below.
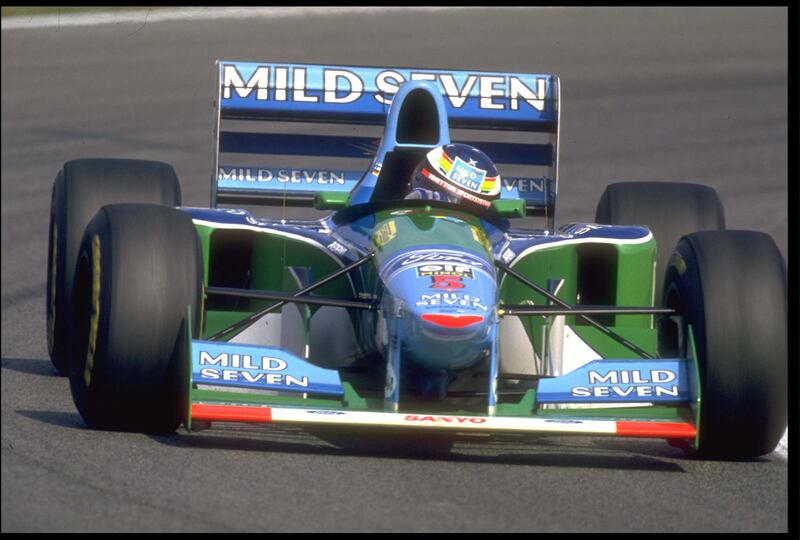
point(387, 312)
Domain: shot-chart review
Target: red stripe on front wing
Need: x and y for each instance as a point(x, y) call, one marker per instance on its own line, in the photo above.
point(231, 413)
point(667, 430)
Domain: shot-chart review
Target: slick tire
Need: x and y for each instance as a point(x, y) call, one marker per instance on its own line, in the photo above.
point(80, 189)
point(139, 266)
point(668, 209)
point(730, 286)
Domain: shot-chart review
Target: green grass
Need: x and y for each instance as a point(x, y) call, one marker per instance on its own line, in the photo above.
point(59, 10)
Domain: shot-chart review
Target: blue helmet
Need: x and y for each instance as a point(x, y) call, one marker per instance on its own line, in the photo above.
point(457, 173)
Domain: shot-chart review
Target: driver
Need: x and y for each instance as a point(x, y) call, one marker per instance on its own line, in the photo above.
point(457, 173)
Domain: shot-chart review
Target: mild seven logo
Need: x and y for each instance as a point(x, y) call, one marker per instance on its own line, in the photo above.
point(467, 175)
point(242, 367)
point(338, 85)
point(249, 366)
point(619, 381)
point(283, 176)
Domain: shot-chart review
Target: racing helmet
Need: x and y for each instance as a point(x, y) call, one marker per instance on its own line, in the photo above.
point(457, 173)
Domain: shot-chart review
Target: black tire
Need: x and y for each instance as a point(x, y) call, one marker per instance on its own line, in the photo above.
point(80, 189)
point(668, 209)
point(731, 287)
point(139, 266)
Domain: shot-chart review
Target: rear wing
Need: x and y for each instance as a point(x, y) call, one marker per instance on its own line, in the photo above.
point(283, 132)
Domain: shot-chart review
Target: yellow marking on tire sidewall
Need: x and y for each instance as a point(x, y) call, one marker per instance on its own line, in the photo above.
point(94, 322)
point(51, 318)
point(676, 260)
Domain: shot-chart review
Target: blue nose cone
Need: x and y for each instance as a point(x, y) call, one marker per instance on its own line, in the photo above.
point(448, 332)
point(447, 303)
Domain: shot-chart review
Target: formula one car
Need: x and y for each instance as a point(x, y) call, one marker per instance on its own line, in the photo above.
point(389, 312)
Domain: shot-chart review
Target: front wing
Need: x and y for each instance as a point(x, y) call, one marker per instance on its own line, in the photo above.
point(572, 425)
point(246, 383)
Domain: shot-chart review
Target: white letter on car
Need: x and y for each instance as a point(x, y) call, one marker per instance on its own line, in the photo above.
point(356, 86)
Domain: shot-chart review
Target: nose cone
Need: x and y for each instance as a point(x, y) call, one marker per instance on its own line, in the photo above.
point(447, 298)
point(448, 331)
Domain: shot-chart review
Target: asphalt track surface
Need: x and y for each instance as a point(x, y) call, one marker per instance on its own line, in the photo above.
point(657, 94)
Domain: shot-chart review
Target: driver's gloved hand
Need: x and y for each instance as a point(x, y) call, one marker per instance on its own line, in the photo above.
point(422, 193)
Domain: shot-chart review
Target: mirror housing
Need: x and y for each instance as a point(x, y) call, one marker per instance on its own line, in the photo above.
point(331, 200)
point(509, 208)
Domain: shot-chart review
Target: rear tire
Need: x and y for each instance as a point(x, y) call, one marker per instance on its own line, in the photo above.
point(80, 189)
point(668, 209)
point(139, 266)
point(730, 286)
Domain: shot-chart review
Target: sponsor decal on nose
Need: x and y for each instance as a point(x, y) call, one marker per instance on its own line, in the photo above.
point(452, 321)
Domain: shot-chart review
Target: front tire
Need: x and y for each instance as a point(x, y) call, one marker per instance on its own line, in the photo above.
point(80, 189)
point(730, 286)
point(139, 267)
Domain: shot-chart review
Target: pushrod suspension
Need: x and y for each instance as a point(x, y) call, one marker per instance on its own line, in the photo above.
point(510, 309)
point(571, 311)
point(257, 315)
point(283, 297)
